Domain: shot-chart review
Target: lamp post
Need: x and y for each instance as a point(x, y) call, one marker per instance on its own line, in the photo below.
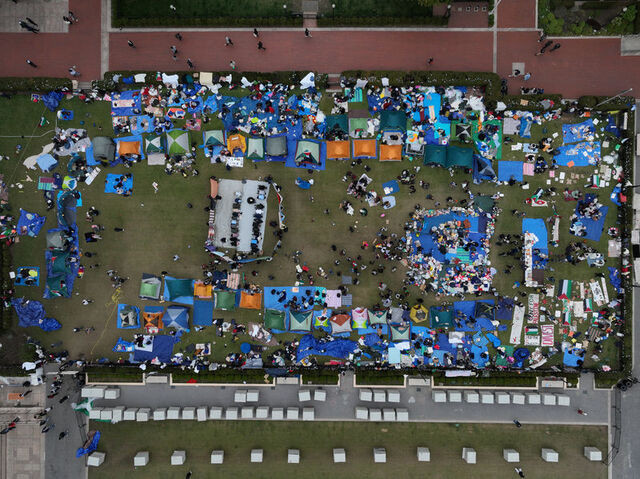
point(614, 97)
point(333, 9)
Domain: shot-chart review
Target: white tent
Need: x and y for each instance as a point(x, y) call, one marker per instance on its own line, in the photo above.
point(159, 414)
point(533, 398)
point(173, 413)
point(178, 458)
point(424, 455)
point(389, 414)
point(511, 455)
point(106, 414)
point(92, 392)
point(118, 413)
point(366, 395)
point(304, 395)
point(112, 393)
point(308, 414)
point(94, 413)
point(277, 413)
point(549, 399)
point(240, 396)
point(246, 412)
point(189, 413)
point(379, 395)
point(141, 459)
point(95, 459)
point(518, 398)
point(362, 413)
point(393, 396)
point(143, 414)
point(129, 414)
point(454, 396)
point(469, 455)
point(217, 457)
point(320, 395)
point(293, 456)
point(503, 397)
point(231, 413)
point(339, 455)
point(471, 397)
point(256, 455)
point(262, 412)
point(549, 455)
point(293, 413)
point(253, 395)
point(215, 412)
point(375, 414)
point(439, 396)
point(486, 397)
point(379, 455)
point(563, 400)
point(593, 453)
point(201, 414)
point(402, 414)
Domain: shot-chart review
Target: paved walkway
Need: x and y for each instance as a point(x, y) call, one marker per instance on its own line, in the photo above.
point(341, 402)
point(581, 66)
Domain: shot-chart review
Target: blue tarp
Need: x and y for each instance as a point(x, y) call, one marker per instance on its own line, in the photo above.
point(202, 313)
point(573, 357)
point(30, 223)
point(135, 325)
point(338, 348)
point(575, 132)
point(20, 281)
point(525, 127)
point(578, 154)
point(46, 162)
point(162, 348)
point(538, 228)
point(616, 280)
point(593, 228)
point(123, 346)
point(82, 451)
point(275, 298)
point(508, 169)
point(118, 184)
point(31, 313)
point(125, 102)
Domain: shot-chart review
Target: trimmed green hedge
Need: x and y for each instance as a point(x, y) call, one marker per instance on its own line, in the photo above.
point(113, 374)
point(225, 375)
point(379, 378)
point(154, 22)
point(492, 381)
point(319, 376)
point(35, 84)
point(327, 21)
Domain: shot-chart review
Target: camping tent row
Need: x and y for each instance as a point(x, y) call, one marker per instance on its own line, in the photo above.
point(201, 414)
point(359, 318)
point(382, 415)
point(155, 318)
point(500, 397)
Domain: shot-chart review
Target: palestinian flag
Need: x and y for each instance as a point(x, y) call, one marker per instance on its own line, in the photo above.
point(566, 318)
point(588, 306)
point(564, 291)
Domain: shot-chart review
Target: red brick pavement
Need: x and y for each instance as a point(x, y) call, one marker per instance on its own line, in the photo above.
point(54, 53)
point(517, 14)
point(330, 52)
point(579, 67)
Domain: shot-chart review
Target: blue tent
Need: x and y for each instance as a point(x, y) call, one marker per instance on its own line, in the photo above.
point(202, 313)
point(128, 316)
point(177, 317)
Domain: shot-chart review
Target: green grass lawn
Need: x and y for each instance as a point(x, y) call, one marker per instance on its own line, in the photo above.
point(317, 440)
point(158, 226)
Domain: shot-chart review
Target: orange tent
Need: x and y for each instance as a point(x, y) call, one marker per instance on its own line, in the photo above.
point(338, 150)
point(250, 301)
point(202, 290)
point(128, 148)
point(364, 149)
point(153, 321)
point(390, 152)
point(237, 142)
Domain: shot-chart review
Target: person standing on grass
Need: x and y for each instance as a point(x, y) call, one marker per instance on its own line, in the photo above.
point(31, 64)
point(307, 33)
point(131, 44)
point(190, 63)
point(261, 46)
point(227, 42)
point(519, 471)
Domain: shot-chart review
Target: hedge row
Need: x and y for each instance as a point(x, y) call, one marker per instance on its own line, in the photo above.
point(320, 376)
point(114, 374)
point(286, 77)
point(225, 375)
point(327, 21)
point(379, 378)
point(153, 22)
point(35, 84)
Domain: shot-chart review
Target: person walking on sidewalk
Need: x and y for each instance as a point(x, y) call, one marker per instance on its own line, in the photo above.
point(232, 65)
point(227, 42)
point(190, 63)
point(178, 36)
point(307, 33)
point(31, 64)
point(73, 72)
point(255, 33)
point(527, 76)
point(261, 46)
point(32, 22)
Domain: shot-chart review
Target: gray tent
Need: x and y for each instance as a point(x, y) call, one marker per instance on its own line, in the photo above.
point(104, 148)
point(55, 240)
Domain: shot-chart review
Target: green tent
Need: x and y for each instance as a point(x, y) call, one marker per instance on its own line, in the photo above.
point(300, 321)
point(225, 300)
point(337, 123)
point(150, 286)
point(154, 143)
point(393, 120)
point(435, 155)
point(214, 138)
point(178, 142)
point(377, 317)
point(57, 286)
point(307, 152)
point(459, 156)
point(178, 288)
point(440, 318)
point(255, 149)
point(358, 127)
point(59, 264)
point(400, 333)
point(274, 319)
